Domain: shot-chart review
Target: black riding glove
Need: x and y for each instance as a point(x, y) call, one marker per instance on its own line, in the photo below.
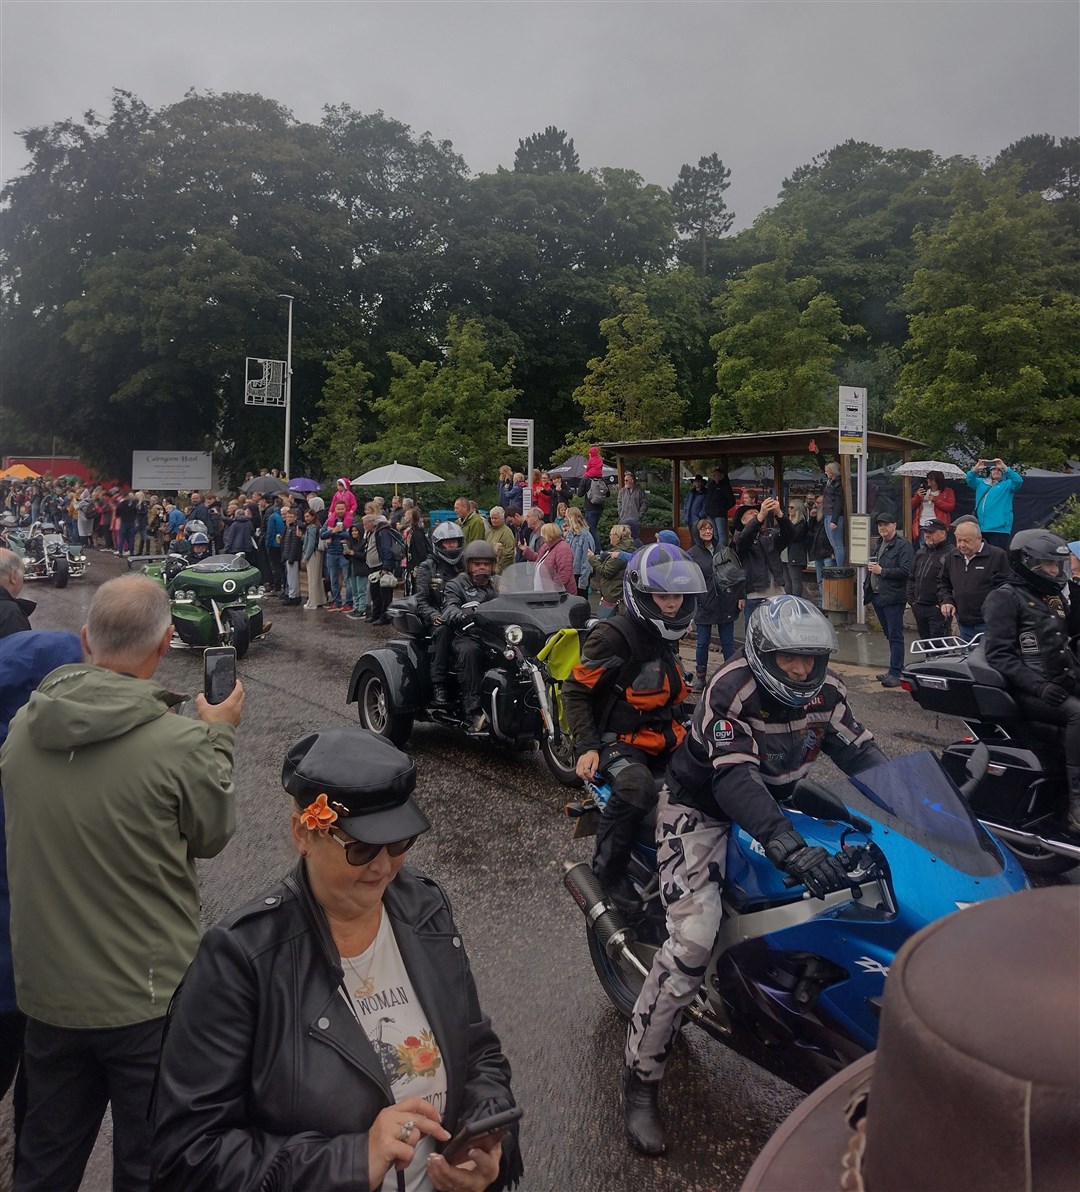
point(1053, 694)
point(818, 871)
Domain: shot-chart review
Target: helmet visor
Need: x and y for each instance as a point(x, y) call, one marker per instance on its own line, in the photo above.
point(660, 571)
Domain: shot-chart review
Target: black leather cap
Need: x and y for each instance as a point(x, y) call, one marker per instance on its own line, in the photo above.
point(367, 781)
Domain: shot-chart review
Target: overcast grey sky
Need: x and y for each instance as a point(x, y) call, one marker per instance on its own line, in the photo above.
point(645, 86)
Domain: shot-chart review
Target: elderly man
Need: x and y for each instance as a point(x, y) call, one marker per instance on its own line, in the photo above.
point(968, 575)
point(108, 801)
point(469, 520)
point(529, 531)
point(14, 612)
point(501, 538)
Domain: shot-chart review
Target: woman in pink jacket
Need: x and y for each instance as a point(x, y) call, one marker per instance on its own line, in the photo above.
point(555, 556)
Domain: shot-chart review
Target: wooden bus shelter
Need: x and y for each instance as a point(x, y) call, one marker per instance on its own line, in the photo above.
point(730, 450)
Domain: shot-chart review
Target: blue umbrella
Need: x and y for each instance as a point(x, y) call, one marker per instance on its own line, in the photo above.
point(301, 484)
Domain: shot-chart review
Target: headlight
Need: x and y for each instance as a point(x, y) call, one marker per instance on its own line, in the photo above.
point(514, 634)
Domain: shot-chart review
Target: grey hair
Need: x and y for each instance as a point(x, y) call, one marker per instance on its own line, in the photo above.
point(10, 567)
point(407, 502)
point(967, 520)
point(127, 619)
point(496, 509)
point(800, 509)
point(832, 468)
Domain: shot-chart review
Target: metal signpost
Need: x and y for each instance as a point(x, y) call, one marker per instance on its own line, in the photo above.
point(519, 433)
point(852, 426)
point(268, 383)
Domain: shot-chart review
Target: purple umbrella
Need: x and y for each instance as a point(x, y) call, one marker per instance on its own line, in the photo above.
point(301, 484)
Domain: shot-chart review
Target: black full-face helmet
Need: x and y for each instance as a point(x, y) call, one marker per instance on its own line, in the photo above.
point(789, 625)
point(448, 541)
point(1040, 560)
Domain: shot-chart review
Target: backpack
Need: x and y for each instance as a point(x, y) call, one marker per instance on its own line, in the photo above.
point(397, 543)
point(599, 490)
point(727, 572)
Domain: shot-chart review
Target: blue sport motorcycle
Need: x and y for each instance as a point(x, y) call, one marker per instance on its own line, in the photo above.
point(795, 983)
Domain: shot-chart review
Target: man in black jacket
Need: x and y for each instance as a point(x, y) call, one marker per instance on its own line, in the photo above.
point(1029, 621)
point(922, 591)
point(767, 715)
point(432, 576)
point(14, 612)
point(888, 582)
point(968, 575)
point(474, 586)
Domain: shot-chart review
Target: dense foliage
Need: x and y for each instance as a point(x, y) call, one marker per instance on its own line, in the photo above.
point(144, 253)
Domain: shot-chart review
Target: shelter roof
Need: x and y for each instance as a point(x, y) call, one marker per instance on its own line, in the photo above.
point(768, 443)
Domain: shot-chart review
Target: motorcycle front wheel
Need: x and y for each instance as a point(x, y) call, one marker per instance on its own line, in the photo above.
point(373, 706)
point(559, 758)
point(237, 630)
point(61, 573)
point(1037, 860)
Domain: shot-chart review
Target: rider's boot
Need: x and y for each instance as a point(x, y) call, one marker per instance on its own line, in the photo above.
point(440, 693)
point(1073, 822)
point(699, 680)
point(615, 835)
point(641, 1113)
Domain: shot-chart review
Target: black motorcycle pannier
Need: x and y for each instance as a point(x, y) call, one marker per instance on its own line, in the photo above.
point(961, 685)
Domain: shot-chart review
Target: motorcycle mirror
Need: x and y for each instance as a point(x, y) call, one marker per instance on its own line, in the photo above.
point(975, 768)
point(821, 803)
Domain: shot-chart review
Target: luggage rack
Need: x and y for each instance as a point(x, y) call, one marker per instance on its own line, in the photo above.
point(930, 647)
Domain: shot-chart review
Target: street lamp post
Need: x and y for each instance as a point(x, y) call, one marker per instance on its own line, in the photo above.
point(288, 389)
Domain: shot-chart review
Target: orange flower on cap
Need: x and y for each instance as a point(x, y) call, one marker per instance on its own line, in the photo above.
point(317, 817)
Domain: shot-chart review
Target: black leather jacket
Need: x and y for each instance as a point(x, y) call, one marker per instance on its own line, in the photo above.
point(1027, 642)
point(461, 590)
point(268, 1082)
point(432, 576)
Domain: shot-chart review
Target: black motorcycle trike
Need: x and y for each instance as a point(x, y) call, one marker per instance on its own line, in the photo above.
point(391, 683)
point(1022, 798)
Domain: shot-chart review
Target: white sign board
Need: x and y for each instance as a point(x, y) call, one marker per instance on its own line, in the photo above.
point(170, 471)
point(852, 421)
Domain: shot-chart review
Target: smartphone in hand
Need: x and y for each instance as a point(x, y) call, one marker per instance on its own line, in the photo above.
point(489, 1129)
point(219, 673)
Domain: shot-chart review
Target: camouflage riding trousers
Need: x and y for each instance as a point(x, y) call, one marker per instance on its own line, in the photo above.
point(691, 856)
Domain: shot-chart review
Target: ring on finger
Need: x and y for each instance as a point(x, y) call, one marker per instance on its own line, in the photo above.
point(405, 1130)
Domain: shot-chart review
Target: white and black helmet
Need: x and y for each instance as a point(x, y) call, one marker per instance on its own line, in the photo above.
point(1041, 560)
point(193, 527)
point(448, 541)
point(662, 570)
point(789, 625)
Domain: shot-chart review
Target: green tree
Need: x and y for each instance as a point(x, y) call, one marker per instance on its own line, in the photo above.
point(449, 415)
point(775, 353)
point(701, 214)
point(993, 359)
point(333, 446)
point(630, 392)
point(1048, 165)
point(547, 152)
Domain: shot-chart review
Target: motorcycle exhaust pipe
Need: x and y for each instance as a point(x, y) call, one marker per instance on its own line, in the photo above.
point(603, 917)
point(1061, 847)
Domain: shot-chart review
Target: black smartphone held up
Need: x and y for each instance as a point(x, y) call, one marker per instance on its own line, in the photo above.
point(219, 673)
point(493, 1129)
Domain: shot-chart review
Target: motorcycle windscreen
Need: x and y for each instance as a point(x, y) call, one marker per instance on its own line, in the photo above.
point(913, 796)
point(218, 563)
point(527, 577)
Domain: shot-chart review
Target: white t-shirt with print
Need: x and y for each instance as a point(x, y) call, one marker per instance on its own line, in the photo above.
point(388, 1009)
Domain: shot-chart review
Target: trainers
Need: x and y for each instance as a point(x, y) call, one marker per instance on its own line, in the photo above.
point(346, 608)
point(891, 681)
point(354, 616)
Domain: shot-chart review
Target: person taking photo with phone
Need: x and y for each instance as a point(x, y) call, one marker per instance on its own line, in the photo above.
point(995, 485)
point(108, 802)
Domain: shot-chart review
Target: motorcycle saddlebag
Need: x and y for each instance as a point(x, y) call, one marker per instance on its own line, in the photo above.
point(1015, 787)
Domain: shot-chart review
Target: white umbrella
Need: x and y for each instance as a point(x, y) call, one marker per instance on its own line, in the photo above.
point(396, 473)
point(919, 467)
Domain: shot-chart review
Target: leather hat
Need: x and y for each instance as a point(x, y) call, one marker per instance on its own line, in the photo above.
point(975, 1086)
point(367, 781)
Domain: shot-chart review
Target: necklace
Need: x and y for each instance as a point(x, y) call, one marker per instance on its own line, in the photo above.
point(366, 982)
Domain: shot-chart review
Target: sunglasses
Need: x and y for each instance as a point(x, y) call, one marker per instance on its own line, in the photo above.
point(358, 852)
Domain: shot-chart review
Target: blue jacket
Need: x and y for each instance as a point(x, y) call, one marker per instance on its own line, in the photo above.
point(275, 527)
point(994, 502)
point(176, 522)
point(335, 539)
point(693, 507)
point(26, 658)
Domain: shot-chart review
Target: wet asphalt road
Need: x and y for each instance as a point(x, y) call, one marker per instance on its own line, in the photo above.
point(498, 845)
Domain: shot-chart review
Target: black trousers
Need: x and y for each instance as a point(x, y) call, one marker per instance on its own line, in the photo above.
point(1067, 714)
point(469, 659)
point(12, 1029)
point(442, 638)
point(931, 621)
point(71, 1075)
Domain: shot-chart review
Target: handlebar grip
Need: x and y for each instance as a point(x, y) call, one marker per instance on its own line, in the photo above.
point(790, 881)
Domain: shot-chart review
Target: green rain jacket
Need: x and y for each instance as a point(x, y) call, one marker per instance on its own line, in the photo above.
point(109, 799)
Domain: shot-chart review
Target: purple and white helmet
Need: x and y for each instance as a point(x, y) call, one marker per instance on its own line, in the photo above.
point(659, 570)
